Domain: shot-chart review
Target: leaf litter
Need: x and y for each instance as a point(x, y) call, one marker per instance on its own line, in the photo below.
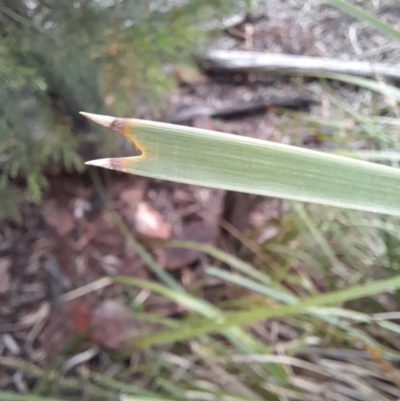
point(82, 239)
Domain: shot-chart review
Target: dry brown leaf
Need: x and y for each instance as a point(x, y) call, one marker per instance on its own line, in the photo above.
point(133, 265)
point(5, 277)
point(175, 258)
point(65, 322)
point(132, 196)
point(150, 223)
point(113, 325)
point(60, 220)
point(41, 247)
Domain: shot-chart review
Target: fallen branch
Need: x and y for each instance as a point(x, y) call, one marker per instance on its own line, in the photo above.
point(244, 109)
point(233, 22)
point(246, 61)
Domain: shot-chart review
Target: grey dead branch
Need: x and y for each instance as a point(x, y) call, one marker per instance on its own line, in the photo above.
point(244, 109)
point(259, 62)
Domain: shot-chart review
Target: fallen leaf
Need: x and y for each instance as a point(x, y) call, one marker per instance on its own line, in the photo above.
point(41, 247)
point(65, 322)
point(113, 325)
point(132, 196)
point(5, 277)
point(150, 223)
point(60, 220)
point(175, 258)
point(133, 265)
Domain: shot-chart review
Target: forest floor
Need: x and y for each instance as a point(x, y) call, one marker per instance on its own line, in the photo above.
point(55, 263)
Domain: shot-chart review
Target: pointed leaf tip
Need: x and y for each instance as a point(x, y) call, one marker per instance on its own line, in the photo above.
point(105, 121)
point(106, 163)
point(116, 163)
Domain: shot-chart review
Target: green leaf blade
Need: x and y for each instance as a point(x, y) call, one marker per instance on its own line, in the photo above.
point(252, 316)
point(237, 163)
point(362, 15)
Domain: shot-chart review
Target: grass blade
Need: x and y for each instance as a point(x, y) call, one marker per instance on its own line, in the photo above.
point(373, 85)
point(236, 335)
point(136, 246)
point(213, 159)
point(8, 396)
point(362, 15)
point(141, 398)
point(251, 316)
point(225, 257)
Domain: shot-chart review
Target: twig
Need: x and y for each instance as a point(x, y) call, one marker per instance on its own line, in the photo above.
point(244, 109)
point(87, 289)
point(236, 60)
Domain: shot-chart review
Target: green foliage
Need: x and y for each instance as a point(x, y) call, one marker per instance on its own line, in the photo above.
point(59, 58)
point(248, 165)
point(364, 16)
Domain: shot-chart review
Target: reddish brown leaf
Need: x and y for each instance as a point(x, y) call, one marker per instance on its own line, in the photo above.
point(133, 265)
point(60, 220)
point(65, 322)
point(113, 325)
point(175, 258)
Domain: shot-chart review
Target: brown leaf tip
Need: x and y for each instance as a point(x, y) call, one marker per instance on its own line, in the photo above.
point(112, 164)
point(114, 123)
point(116, 164)
point(119, 125)
point(105, 121)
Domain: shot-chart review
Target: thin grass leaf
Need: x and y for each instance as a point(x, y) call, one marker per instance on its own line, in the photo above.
point(190, 302)
point(319, 238)
point(237, 163)
point(136, 246)
point(251, 316)
point(327, 314)
point(119, 386)
point(363, 16)
point(141, 398)
point(169, 387)
point(225, 257)
point(7, 396)
point(373, 85)
point(243, 341)
point(274, 293)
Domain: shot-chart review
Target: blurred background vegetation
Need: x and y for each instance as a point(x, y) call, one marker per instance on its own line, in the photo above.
point(58, 58)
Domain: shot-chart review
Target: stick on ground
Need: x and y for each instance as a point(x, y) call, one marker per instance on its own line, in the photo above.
point(236, 60)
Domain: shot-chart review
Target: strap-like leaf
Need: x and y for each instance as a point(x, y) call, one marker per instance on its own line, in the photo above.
point(237, 163)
